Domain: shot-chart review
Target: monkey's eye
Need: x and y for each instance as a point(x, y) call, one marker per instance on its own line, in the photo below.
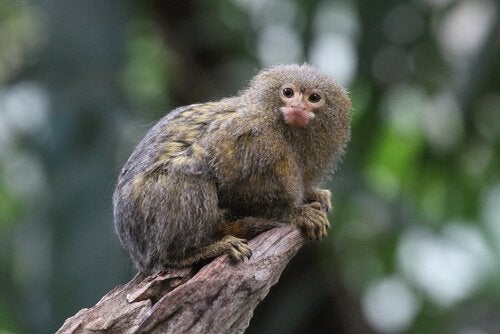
point(314, 98)
point(288, 92)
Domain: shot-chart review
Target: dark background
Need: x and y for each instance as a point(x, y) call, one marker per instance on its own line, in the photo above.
point(416, 228)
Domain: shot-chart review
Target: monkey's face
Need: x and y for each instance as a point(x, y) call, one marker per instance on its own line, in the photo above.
point(300, 105)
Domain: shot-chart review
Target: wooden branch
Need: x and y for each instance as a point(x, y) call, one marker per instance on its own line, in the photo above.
point(218, 298)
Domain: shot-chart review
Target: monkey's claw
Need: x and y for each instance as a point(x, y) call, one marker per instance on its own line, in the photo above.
point(238, 248)
point(313, 222)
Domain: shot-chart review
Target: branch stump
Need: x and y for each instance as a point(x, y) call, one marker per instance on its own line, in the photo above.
point(219, 297)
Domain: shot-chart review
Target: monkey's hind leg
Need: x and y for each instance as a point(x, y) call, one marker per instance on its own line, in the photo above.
point(234, 241)
point(237, 249)
point(248, 227)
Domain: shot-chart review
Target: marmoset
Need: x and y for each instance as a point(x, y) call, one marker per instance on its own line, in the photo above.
point(207, 177)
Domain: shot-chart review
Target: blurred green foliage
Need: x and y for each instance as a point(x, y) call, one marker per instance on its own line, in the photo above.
point(416, 227)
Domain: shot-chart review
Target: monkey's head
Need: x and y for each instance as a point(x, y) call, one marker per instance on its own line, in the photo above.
point(298, 95)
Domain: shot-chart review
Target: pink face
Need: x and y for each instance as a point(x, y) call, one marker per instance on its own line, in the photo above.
point(300, 106)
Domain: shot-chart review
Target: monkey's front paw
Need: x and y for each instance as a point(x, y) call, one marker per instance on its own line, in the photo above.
point(323, 197)
point(238, 248)
point(312, 221)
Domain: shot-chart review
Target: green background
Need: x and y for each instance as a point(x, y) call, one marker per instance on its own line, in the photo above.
point(416, 227)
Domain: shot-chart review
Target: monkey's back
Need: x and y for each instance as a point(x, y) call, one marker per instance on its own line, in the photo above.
point(173, 141)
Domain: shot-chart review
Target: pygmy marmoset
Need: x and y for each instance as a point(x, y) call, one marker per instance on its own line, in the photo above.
point(207, 177)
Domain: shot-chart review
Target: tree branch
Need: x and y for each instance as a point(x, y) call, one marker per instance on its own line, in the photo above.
point(218, 298)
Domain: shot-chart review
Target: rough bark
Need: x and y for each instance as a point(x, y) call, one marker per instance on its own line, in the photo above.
point(217, 298)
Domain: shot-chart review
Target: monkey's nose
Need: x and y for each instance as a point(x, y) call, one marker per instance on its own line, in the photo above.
point(300, 106)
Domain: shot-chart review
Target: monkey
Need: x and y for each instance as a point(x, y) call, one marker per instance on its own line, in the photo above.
point(210, 176)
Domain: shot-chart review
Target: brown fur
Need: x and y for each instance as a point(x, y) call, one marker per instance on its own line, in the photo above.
point(209, 176)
